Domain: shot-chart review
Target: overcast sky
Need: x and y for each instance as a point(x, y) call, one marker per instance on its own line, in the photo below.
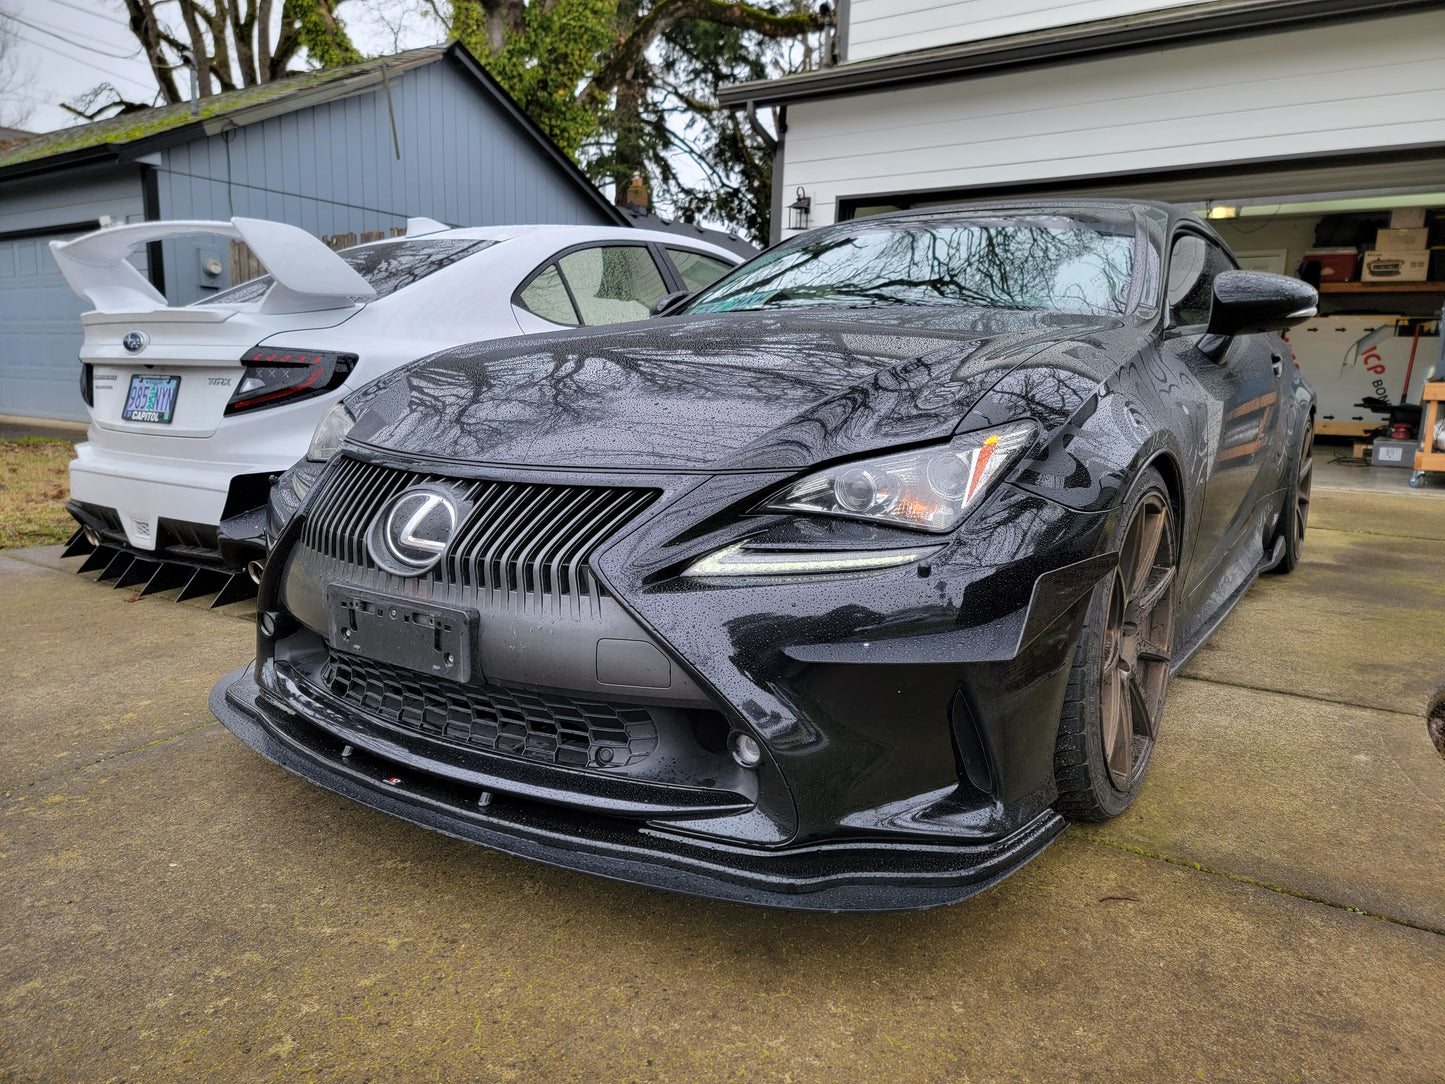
point(65, 47)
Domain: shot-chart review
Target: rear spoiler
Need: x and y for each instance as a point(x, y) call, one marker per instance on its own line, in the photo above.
point(306, 271)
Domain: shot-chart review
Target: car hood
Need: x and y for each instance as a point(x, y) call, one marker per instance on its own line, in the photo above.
point(732, 391)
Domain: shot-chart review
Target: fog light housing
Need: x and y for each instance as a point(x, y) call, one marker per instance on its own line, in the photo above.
point(745, 749)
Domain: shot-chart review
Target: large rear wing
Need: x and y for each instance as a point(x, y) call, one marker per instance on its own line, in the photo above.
point(308, 274)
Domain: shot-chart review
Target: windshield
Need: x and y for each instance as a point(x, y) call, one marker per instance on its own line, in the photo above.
point(387, 267)
point(1069, 264)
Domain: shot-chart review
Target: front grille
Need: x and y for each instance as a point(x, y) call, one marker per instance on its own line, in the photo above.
point(537, 726)
point(514, 538)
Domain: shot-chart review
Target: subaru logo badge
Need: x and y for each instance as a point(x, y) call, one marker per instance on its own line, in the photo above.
point(412, 530)
point(135, 341)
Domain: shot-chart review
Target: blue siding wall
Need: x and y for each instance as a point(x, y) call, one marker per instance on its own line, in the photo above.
point(332, 168)
point(40, 333)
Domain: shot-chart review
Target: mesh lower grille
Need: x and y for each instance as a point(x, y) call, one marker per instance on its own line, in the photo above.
point(513, 539)
point(538, 726)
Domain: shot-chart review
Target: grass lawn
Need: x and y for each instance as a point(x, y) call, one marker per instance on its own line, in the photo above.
point(34, 486)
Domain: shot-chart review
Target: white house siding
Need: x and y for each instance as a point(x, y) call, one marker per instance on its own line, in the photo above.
point(881, 27)
point(1330, 90)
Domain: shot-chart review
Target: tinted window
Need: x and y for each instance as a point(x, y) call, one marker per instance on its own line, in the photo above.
point(696, 269)
point(1073, 263)
point(546, 296)
point(388, 266)
point(614, 283)
point(1193, 265)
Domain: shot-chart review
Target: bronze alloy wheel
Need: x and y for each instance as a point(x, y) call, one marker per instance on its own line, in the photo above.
point(1138, 635)
point(1303, 479)
point(1120, 672)
point(1295, 515)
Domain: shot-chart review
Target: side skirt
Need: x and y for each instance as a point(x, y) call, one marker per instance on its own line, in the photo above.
point(1217, 617)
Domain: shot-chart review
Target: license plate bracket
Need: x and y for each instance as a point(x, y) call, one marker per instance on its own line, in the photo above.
point(151, 399)
point(419, 635)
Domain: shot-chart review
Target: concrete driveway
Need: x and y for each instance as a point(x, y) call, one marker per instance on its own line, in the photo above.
point(1272, 908)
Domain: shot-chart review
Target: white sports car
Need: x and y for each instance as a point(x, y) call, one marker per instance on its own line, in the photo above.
point(195, 409)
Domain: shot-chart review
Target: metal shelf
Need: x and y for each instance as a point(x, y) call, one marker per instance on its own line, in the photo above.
point(1382, 287)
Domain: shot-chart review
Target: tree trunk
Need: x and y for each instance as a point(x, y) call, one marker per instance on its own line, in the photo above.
point(221, 55)
point(628, 155)
point(200, 57)
point(263, 41)
point(242, 28)
point(147, 31)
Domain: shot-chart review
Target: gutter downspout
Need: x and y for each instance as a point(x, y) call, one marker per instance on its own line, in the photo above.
point(775, 214)
point(150, 189)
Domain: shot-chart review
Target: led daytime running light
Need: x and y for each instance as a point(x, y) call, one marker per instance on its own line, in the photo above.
point(738, 560)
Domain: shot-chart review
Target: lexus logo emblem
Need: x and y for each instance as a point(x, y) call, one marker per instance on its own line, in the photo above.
point(135, 341)
point(412, 530)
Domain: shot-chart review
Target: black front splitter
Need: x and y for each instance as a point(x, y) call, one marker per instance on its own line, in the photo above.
point(862, 875)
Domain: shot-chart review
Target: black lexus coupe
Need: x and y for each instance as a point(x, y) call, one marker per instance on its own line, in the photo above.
point(838, 585)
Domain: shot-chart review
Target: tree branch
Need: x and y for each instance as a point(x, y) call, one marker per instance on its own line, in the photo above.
point(669, 13)
point(147, 30)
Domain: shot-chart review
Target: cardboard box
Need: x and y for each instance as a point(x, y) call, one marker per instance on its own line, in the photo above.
point(1407, 218)
point(1402, 240)
point(1412, 266)
point(1336, 264)
point(1394, 453)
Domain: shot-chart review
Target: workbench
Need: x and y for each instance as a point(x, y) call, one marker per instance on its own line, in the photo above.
point(1427, 459)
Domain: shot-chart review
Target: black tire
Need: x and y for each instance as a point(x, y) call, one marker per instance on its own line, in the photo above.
point(1296, 513)
point(1119, 677)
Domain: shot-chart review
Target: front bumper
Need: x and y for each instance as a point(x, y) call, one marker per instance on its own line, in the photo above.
point(907, 717)
point(857, 875)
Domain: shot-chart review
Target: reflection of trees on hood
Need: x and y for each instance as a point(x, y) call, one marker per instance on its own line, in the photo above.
point(759, 392)
point(727, 393)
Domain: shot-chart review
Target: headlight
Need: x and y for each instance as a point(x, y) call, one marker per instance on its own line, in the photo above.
point(931, 489)
point(330, 432)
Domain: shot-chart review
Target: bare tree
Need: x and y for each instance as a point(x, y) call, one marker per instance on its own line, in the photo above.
point(14, 110)
point(229, 43)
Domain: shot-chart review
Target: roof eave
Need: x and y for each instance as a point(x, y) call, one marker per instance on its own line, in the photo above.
point(1150, 30)
point(100, 154)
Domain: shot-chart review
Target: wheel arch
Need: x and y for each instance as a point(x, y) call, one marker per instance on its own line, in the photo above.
point(1168, 467)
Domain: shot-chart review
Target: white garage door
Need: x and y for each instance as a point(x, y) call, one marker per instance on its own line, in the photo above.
point(40, 334)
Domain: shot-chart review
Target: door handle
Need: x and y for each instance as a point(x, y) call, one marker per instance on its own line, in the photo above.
point(1276, 362)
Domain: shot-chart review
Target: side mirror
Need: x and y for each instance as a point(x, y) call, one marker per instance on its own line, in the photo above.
point(1250, 302)
point(668, 301)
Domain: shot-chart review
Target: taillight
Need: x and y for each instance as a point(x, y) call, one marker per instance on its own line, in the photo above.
point(87, 383)
point(275, 376)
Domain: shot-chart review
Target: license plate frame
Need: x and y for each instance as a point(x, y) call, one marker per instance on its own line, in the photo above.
point(420, 635)
point(145, 408)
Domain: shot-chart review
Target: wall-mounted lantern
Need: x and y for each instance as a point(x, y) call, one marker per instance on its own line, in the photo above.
point(799, 210)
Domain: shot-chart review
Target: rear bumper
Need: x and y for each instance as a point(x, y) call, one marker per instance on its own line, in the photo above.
point(853, 875)
point(143, 490)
